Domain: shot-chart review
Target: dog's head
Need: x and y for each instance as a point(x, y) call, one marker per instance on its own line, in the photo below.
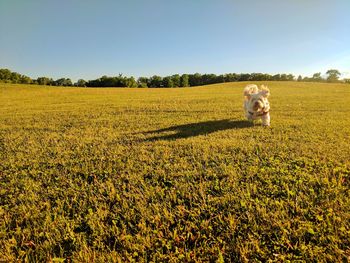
point(256, 99)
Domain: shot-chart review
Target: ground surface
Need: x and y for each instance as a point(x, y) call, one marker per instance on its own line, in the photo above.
point(101, 175)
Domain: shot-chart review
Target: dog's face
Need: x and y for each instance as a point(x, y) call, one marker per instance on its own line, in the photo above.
point(256, 100)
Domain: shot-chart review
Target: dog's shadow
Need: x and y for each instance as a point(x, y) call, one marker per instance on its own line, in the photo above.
point(196, 129)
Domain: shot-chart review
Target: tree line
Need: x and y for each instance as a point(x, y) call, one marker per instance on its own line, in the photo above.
point(177, 80)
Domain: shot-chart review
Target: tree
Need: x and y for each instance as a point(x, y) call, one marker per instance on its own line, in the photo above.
point(209, 79)
point(317, 76)
point(195, 79)
point(155, 81)
point(290, 77)
point(80, 83)
point(276, 77)
point(267, 77)
point(176, 80)
point(184, 82)
point(333, 75)
point(63, 82)
point(129, 82)
point(257, 76)
point(15, 77)
point(244, 77)
point(8, 76)
point(220, 79)
point(5, 75)
point(44, 81)
point(283, 77)
point(93, 83)
point(142, 82)
point(106, 81)
point(168, 82)
point(230, 77)
point(25, 80)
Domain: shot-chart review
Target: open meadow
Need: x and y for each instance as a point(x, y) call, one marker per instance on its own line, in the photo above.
point(174, 175)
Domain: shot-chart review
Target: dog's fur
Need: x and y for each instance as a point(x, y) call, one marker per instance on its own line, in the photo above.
point(256, 104)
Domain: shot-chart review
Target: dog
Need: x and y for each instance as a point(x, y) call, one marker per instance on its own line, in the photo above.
point(256, 104)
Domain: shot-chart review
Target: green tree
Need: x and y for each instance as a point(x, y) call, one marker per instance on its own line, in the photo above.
point(155, 81)
point(142, 82)
point(284, 77)
point(230, 77)
point(80, 83)
point(168, 82)
point(333, 75)
point(276, 77)
point(176, 80)
point(290, 77)
point(63, 82)
point(25, 80)
point(317, 76)
point(15, 77)
point(195, 79)
point(184, 82)
point(257, 76)
point(44, 81)
point(130, 82)
point(244, 77)
point(5, 75)
point(209, 79)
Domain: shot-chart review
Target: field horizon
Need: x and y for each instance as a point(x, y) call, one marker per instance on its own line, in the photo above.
point(174, 174)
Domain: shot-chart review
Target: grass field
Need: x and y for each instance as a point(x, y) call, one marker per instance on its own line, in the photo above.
point(174, 175)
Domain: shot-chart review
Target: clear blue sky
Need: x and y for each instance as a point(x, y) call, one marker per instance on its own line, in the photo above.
point(90, 38)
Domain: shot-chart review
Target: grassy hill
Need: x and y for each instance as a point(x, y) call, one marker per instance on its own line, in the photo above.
point(168, 175)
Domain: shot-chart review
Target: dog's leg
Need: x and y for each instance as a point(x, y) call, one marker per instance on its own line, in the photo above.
point(266, 119)
point(249, 117)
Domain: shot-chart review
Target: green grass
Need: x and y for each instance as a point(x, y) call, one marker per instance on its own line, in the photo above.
point(174, 175)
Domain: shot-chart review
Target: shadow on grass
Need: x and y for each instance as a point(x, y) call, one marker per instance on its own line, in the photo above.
point(195, 129)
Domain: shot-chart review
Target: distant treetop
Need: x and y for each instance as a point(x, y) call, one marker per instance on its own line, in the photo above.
point(176, 80)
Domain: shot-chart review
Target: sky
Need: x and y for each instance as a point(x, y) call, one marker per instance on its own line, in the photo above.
point(90, 38)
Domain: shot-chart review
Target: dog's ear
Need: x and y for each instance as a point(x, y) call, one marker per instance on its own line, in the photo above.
point(249, 90)
point(247, 94)
point(264, 91)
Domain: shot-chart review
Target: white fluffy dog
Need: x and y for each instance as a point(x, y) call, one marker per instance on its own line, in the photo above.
point(256, 104)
